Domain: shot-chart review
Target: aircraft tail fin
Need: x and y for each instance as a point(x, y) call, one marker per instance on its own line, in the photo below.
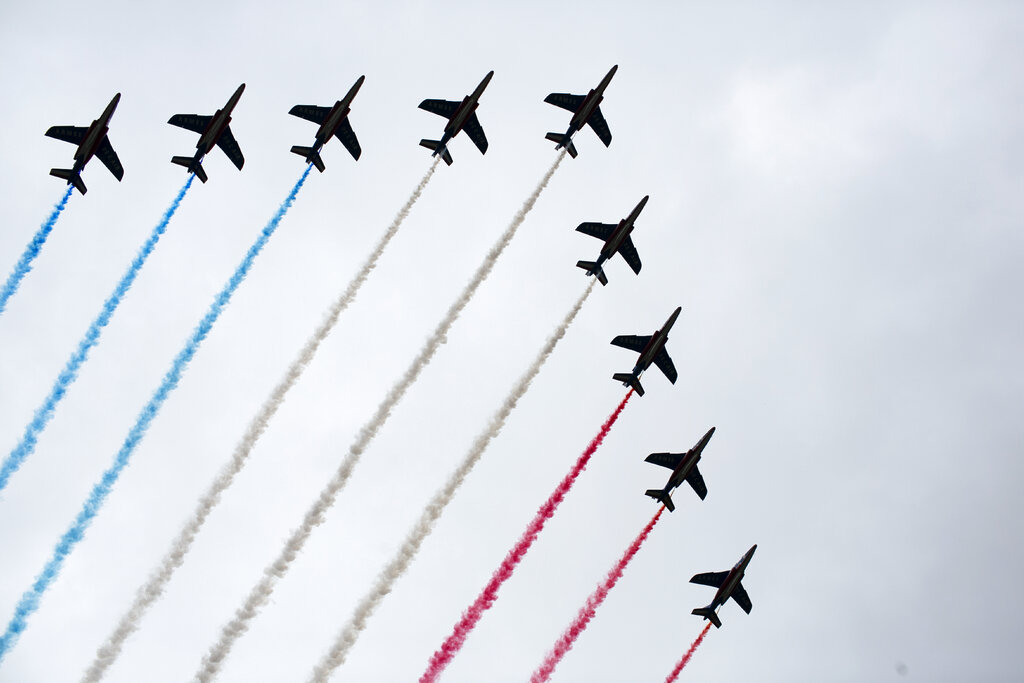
point(629, 379)
point(709, 614)
point(191, 165)
point(662, 495)
point(593, 269)
point(563, 140)
point(68, 175)
point(434, 145)
point(310, 156)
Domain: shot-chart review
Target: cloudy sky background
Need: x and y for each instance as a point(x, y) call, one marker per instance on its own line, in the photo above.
point(835, 203)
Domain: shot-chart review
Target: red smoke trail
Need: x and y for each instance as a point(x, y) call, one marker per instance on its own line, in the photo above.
point(689, 653)
point(483, 602)
point(589, 609)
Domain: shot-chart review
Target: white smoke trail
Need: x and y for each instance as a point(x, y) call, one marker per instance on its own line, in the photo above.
point(261, 592)
point(347, 637)
point(154, 588)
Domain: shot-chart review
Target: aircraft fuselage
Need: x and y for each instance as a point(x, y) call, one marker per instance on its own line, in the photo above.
point(465, 110)
point(219, 122)
point(733, 579)
point(621, 232)
point(94, 136)
point(656, 344)
point(338, 113)
point(689, 461)
point(590, 103)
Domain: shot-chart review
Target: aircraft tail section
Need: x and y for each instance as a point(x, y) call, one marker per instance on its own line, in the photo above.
point(70, 176)
point(662, 495)
point(709, 614)
point(435, 145)
point(310, 156)
point(629, 379)
point(563, 140)
point(191, 165)
point(593, 269)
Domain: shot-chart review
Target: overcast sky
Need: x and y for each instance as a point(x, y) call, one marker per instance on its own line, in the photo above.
point(836, 204)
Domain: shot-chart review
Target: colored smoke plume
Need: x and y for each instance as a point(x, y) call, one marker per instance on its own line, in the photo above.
point(451, 646)
point(589, 608)
point(347, 637)
point(689, 653)
point(24, 264)
point(261, 592)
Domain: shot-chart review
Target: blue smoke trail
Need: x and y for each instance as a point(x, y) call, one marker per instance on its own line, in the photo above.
point(92, 336)
point(30, 599)
point(31, 251)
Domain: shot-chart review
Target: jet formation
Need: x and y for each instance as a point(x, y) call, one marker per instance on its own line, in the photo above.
point(586, 110)
point(684, 468)
point(461, 116)
point(616, 241)
point(91, 141)
point(333, 121)
point(652, 350)
point(728, 585)
point(213, 130)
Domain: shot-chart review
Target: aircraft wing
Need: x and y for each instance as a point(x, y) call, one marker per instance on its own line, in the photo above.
point(669, 460)
point(192, 122)
point(600, 126)
point(226, 142)
point(741, 598)
point(348, 138)
point(443, 108)
point(108, 156)
point(601, 231)
point(632, 342)
point(72, 134)
point(664, 364)
point(713, 579)
point(697, 482)
point(628, 252)
point(476, 132)
point(565, 100)
point(310, 112)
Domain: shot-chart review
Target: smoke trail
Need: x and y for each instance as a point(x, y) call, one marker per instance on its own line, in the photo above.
point(689, 653)
point(261, 592)
point(30, 599)
point(24, 264)
point(589, 608)
point(44, 413)
point(347, 637)
point(154, 588)
point(483, 602)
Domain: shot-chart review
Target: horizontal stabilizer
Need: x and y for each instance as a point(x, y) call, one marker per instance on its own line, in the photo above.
point(593, 269)
point(563, 140)
point(433, 145)
point(72, 178)
point(310, 156)
point(662, 495)
point(708, 613)
point(192, 165)
point(629, 379)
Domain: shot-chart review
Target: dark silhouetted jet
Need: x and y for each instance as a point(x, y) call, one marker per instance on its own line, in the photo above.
point(461, 116)
point(728, 585)
point(333, 121)
point(616, 241)
point(91, 141)
point(213, 130)
point(651, 350)
point(585, 110)
point(684, 468)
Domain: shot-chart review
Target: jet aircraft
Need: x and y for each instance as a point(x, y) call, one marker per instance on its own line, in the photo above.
point(684, 468)
point(213, 130)
point(728, 585)
point(461, 116)
point(616, 241)
point(585, 110)
point(91, 141)
point(652, 350)
point(333, 121)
